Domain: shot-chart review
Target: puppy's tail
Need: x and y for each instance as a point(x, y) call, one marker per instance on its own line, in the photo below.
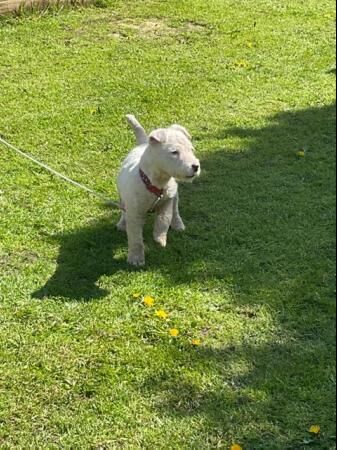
point(139, 131)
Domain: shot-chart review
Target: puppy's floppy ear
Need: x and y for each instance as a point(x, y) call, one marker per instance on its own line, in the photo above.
point(183, 130)
point(158, 136)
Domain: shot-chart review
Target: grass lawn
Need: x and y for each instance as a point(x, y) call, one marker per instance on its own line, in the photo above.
point(84, 364)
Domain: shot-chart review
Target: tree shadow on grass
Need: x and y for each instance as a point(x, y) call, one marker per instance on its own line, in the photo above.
point(269, 407)
point(266, 210)
point(266, 223)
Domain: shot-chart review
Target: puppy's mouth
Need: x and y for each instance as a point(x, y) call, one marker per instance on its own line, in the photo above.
point(190, 178)
point(195, 175)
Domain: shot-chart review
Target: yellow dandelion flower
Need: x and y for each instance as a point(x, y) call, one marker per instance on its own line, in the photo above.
point(161, 314)
point(236, 447)
point(315, 429)
point(242, 64)
point(301, 153)
point(149, 301)
point(196, 342)
point(174, 332)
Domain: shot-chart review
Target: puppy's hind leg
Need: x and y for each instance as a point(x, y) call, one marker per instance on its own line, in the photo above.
point(139, 131)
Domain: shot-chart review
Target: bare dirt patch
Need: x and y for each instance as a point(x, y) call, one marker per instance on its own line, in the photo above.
point(150, 28)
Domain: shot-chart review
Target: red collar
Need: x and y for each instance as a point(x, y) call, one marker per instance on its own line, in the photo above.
point(149, 186)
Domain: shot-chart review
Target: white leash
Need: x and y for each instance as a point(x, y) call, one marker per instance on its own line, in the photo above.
point(102, 197)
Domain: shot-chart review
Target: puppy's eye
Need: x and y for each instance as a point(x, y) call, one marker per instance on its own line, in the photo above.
point(175, 153)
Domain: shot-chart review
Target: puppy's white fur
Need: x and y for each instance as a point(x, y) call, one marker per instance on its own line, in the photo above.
point(166, 157)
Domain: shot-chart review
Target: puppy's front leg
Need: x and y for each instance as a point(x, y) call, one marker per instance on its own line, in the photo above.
point(134, 228)
point(163, 222)
point(177, 222)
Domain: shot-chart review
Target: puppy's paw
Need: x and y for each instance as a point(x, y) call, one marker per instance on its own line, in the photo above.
point(136, 259)
point(121, 226)
point(178, 224)
point(161, 240)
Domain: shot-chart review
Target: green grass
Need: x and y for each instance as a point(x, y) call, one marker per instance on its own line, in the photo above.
point(82, 363)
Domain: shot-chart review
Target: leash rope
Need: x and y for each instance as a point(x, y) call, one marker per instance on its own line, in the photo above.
point(102, 197)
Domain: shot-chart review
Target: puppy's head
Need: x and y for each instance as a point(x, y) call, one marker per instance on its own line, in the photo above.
point(172, 153)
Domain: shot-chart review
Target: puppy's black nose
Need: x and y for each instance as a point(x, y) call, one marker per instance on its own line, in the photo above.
point(195, 168)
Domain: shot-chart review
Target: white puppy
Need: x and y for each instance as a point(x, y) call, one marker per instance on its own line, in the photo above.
point(148, 182)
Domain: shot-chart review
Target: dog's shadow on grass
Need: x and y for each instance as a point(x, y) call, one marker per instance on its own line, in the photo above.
point(85, 256)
